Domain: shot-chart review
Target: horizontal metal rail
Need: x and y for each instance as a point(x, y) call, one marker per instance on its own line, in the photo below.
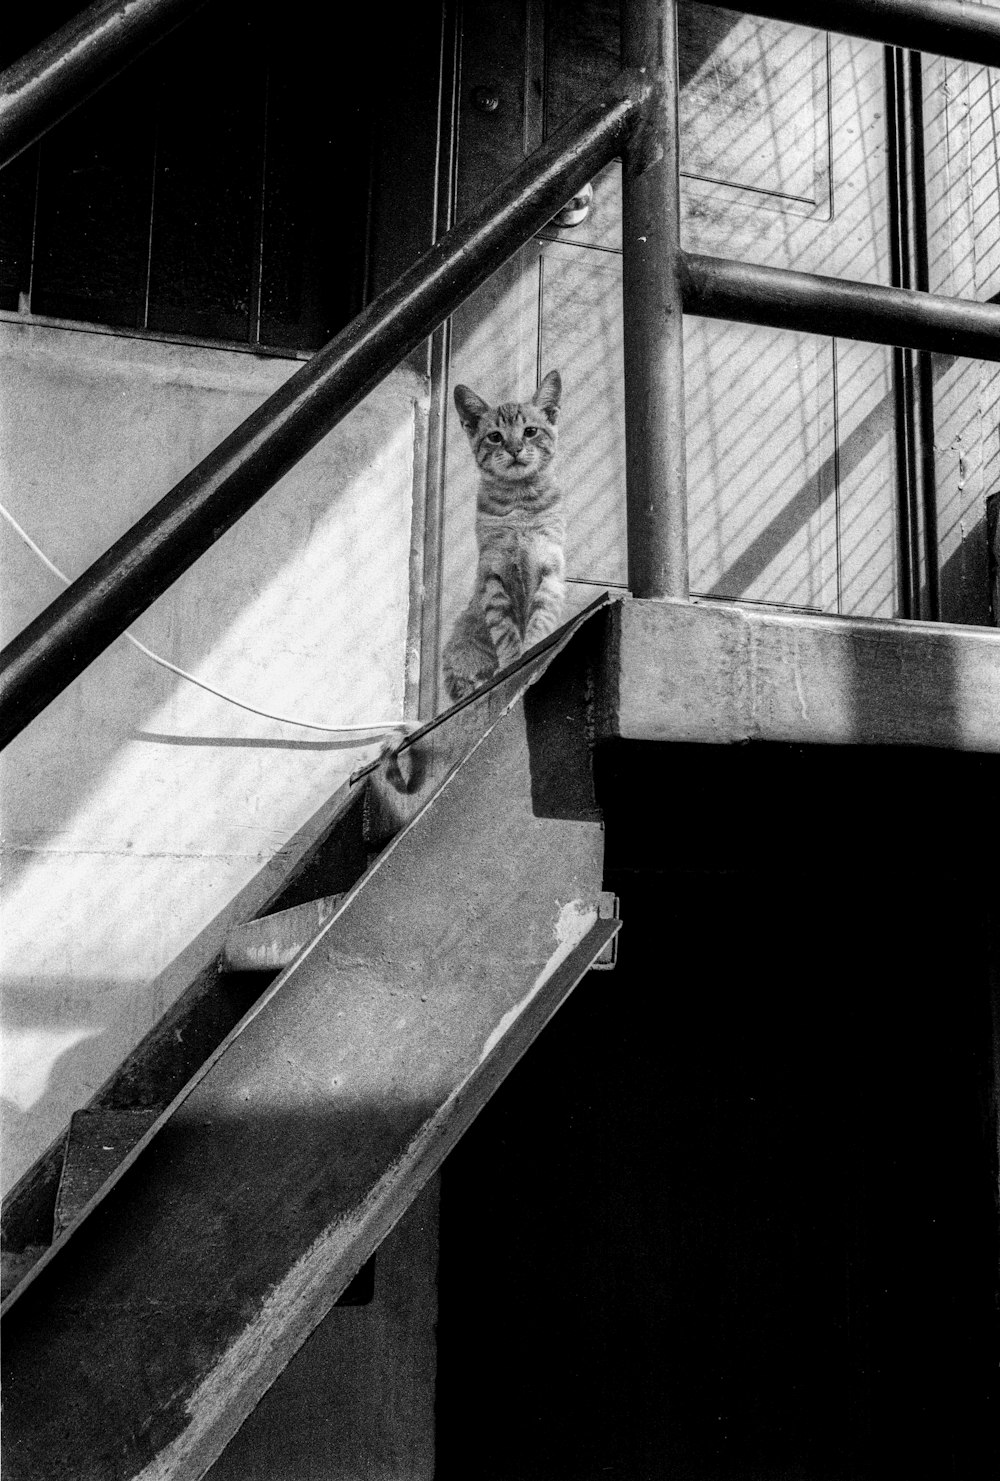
point(62, 72)
point(97, 45)
point(948, 28)
point(717, 288)
point(44, 658)
point(49, 653)
point(50, 81)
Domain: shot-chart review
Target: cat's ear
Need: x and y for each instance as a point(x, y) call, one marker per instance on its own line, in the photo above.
point(470, 407)
point(548, 395)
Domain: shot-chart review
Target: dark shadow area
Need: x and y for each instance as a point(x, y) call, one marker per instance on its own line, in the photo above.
point(229, 207)
point(964, 578)
point(373, 1371)
point(192, 1028)
point(733, 1218)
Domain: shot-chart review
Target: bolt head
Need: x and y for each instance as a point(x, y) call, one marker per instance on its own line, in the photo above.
point(485, 99)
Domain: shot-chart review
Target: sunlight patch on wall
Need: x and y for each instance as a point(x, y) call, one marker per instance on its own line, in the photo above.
point(28, 1057)
point(314, 642)
point(137, 808)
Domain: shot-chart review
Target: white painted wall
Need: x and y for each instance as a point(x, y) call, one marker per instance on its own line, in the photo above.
point(137, 809)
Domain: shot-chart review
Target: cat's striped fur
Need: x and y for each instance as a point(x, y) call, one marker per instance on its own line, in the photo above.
point(520, 531)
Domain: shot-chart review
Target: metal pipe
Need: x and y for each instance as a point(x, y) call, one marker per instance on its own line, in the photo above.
point(128, 578)
point(717, 288)
point(925, 366)
point(653, 313)
point(52, 79)
point(907, 517)
point(947, 28)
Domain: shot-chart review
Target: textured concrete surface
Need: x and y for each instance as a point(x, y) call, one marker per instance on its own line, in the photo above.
point(717, 673)
point(138, 808)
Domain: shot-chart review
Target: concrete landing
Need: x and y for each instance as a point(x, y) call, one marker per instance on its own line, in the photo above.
point(720, 673)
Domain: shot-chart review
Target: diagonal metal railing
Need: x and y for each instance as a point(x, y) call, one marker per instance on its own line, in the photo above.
point(71, 64)
point(637, 119)
point(128, 578)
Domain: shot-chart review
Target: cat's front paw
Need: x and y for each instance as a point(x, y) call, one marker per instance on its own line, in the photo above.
point(536, 632)
point(459, 687)
point(508, 653)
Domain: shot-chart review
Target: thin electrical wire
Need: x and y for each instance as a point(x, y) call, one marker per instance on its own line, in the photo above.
point(371, 727)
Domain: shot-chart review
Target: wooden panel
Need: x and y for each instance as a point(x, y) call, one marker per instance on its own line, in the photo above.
point(499, 39)
point(207, 214)
point(226, 193)
point(95, 175)
point(17, 200)
point(723, 674)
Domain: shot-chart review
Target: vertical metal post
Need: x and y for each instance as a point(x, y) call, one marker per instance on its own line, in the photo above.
point(655, 462)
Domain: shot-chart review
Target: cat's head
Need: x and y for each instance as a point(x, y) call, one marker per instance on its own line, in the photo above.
point(516, 440)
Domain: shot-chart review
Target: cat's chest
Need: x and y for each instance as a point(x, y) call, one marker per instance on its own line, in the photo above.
point(527, 546)
point(523, 520)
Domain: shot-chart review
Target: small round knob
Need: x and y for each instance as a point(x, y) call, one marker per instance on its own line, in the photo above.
point(576, 210)
point(485, 99)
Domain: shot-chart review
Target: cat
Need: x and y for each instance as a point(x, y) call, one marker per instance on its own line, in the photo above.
point(520, 530)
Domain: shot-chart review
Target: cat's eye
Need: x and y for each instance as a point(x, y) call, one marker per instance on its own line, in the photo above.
point(493, 437)
point(531, 431)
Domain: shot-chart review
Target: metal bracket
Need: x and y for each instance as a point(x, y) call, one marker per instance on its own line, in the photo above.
point(607, 910)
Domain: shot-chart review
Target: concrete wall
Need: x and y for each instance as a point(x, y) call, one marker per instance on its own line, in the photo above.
point(138, 810)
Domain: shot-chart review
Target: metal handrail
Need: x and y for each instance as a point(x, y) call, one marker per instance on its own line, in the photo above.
point(947, 28)
point(71, 64)
point(81, 622)
point(50, 81)
point(637, 118)
point(781, 298)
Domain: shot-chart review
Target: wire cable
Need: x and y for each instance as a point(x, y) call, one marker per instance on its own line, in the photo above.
point(371, 727)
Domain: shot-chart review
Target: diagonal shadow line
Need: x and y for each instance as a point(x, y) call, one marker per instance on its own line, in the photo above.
point(789, 520)
point(355, 742)
point(787, 523)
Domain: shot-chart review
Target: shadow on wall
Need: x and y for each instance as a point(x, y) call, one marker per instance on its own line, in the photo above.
point(963, 575)
point(790, 437)
point(138, 807)
point(790, 441)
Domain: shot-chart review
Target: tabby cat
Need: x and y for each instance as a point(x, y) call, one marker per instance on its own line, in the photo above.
point(520, 530)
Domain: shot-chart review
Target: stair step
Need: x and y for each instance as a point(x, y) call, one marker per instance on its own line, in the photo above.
point(274, 941)
point(98, 1142)
point(285, 1161)
point(16, 1264)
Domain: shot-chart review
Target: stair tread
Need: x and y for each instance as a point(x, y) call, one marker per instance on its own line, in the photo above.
point(274, 941)
point(99, 1141)
point(296, 1149)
